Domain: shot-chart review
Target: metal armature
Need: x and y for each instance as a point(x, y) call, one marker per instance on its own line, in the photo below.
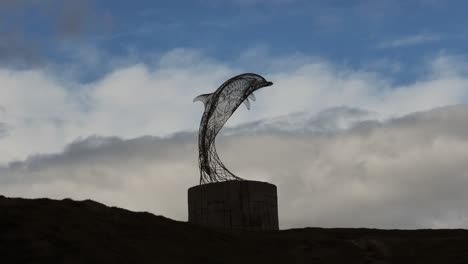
point(219, 106)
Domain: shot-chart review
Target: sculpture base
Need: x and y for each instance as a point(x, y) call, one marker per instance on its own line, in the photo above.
point(245, 205)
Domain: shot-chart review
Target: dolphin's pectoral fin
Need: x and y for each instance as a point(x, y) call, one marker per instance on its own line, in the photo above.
point(252, 97)
point(247, 103)
point(203, 98)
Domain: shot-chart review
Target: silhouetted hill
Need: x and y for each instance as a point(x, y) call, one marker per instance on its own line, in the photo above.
point(67, 231)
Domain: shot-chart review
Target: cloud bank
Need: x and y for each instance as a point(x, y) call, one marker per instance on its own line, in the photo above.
point(44, 110)
point(346, 147)
point(406, 172)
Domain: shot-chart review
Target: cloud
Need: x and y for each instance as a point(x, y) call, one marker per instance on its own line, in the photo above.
point(59, 21)
point(3, 129)
point(326, 121)
point(45, 109)
point(411, 40)
point(15, 51)
point(406, 172)
point(76, 17)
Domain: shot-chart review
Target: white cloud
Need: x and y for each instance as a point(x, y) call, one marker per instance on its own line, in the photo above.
point(411, 40)
point(407, 172)
point(44, 111)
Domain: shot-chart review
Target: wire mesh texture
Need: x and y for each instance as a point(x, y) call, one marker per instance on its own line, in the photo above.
point(219, 106)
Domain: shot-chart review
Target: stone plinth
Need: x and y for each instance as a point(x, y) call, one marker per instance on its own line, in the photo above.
point(246, 205)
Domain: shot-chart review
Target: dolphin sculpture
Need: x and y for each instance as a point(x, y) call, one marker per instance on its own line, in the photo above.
point(219, 106)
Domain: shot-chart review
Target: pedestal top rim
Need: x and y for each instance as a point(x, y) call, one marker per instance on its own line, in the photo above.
point(234, 182)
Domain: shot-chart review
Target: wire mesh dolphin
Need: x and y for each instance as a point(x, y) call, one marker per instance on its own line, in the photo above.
point(219, 106)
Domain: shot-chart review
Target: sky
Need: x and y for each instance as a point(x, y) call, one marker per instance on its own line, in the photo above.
point(365, 125)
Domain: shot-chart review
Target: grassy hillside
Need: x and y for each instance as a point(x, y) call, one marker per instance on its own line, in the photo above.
point(67, 231)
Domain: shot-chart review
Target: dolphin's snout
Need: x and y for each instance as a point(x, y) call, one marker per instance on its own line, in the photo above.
point(264, 84)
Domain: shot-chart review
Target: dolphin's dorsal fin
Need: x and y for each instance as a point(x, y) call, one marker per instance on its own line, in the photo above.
point(247, 103)
point(203, 98)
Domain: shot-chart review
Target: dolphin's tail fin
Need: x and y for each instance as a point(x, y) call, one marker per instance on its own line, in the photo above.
point(204, 98)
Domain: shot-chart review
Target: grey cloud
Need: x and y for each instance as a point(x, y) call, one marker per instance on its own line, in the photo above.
point(74, 18)
point(4, 127)
point(95, 153)
point(327, 121)
point(158, 170)
point(407, 172)
point(79, 17)
point(70, 19)
point(3, 130)
point(16, 51)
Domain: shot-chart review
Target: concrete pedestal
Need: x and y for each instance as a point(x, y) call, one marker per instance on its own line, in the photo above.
point(246, 205)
